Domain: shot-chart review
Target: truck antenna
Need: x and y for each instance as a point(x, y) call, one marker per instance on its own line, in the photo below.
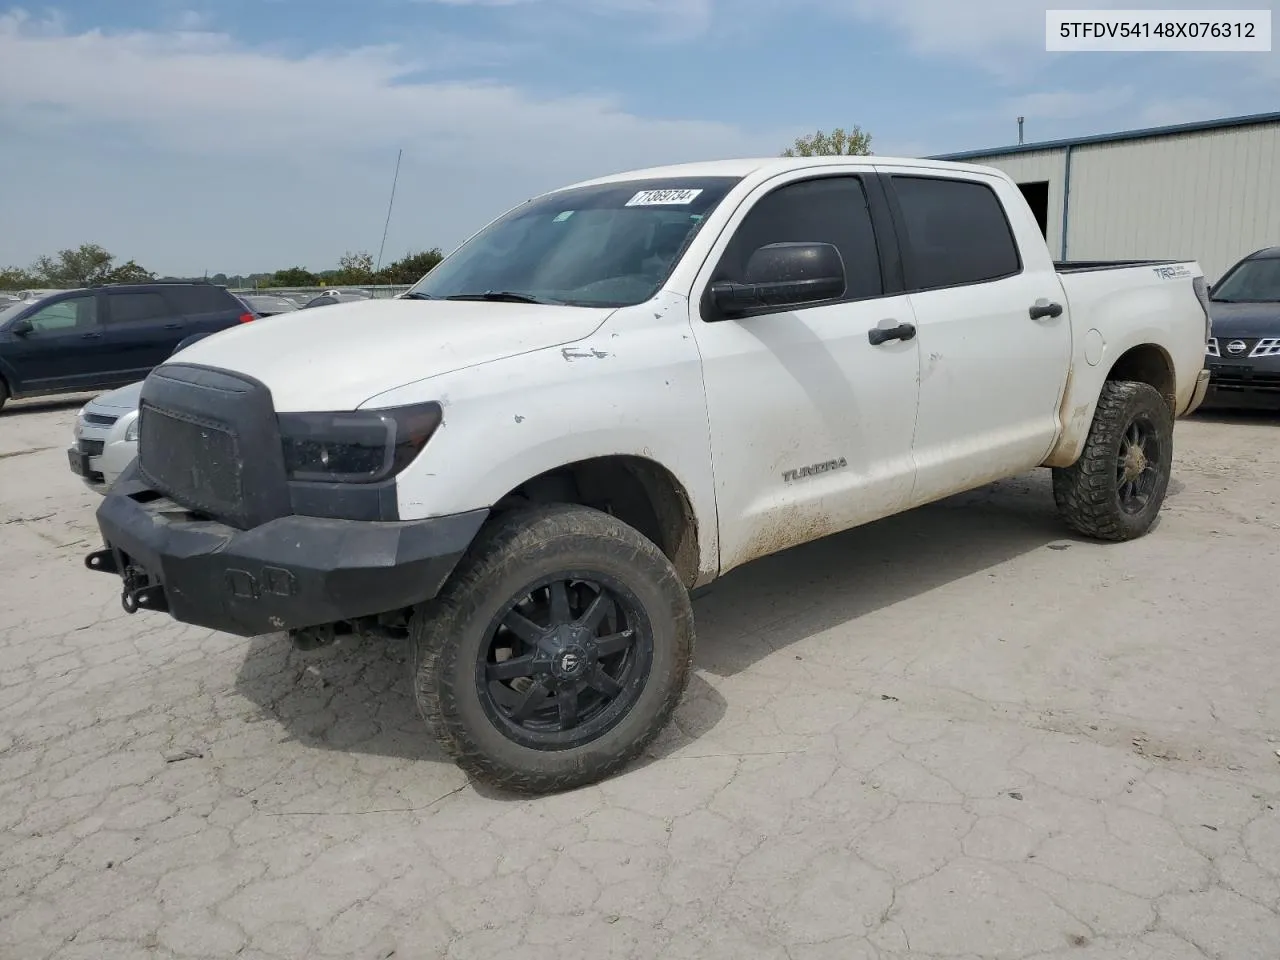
point(386, 226)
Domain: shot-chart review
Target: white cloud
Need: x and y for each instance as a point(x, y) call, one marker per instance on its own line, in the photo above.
point(171, 100)
point(666, 20)
point(1182, 110)
point(1004, 37)
point(1069, 104)
point(190, 20)
point(180, 87)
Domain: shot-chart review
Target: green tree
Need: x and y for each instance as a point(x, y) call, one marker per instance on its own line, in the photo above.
point(410, 268)
point(354, 268)
point(86, 265)
point(838, 143)
point(15, 278)
point(128, 273)
point(292, 277)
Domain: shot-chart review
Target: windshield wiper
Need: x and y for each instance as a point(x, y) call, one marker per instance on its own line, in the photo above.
point(416, 296)
point(498, 296)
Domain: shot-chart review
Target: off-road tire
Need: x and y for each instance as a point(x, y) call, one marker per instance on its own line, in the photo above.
point(1087, 493)
point(448, 634)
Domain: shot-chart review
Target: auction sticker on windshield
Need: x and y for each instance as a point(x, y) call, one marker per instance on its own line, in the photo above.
point(650, 198)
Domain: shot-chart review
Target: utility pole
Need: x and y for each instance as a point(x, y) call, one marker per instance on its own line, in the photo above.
point(1020, 119)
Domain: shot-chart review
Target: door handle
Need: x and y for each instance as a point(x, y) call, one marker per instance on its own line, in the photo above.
point(173, 326)
point(90, 336)
point(1043, 308)
point(879, 335)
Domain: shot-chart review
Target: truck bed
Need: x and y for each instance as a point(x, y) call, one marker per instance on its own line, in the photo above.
point(1084, 266)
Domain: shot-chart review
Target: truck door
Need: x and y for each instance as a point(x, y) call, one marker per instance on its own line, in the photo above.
point(811, 424)
point(992, 373)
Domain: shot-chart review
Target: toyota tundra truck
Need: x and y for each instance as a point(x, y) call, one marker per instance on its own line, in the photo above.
point(619, 391)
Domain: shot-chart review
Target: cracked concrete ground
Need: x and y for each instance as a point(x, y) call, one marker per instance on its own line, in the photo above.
point(958, 733)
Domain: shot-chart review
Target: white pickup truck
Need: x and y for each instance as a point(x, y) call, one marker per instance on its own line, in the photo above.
point(614, 394)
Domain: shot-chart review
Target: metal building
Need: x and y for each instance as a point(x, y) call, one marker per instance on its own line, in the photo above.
point(1208, 191)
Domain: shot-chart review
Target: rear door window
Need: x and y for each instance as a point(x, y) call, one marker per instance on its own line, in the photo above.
point(138, 308)
point(957, 232)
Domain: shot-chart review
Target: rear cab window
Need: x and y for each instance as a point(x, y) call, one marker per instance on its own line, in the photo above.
point(956, 231)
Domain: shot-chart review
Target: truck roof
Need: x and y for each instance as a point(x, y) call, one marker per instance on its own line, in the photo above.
point(767, 166)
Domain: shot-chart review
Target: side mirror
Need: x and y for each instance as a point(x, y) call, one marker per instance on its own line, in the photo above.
point(188, 341)
point(783, 275)
point(20, 328)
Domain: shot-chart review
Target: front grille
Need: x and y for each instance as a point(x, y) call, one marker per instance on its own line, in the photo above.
point(195, 462)
point(1243, 346)
point(91, 447)
point(100, 419)
point(1270, 347)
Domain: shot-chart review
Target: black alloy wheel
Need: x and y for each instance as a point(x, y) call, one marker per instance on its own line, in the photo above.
point(564, 662)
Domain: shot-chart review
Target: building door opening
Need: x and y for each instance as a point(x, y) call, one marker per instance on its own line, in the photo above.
point(1037, 196)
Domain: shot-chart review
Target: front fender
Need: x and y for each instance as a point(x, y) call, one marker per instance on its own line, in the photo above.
point(632, 389)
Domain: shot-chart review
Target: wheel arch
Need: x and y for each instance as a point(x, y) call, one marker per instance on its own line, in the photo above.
point(638, 491)
point(1151, 364)
point(1146, 362)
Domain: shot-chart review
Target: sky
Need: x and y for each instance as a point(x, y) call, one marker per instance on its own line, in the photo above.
point(239, 136)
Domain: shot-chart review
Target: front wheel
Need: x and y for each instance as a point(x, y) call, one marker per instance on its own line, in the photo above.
point(1115, 490)
point(558, 650)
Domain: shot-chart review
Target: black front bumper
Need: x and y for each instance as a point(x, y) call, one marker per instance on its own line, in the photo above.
point(1252, 383)
point(288, 573)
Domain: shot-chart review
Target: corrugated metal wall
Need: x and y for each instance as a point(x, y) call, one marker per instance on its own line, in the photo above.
point(1212, 196)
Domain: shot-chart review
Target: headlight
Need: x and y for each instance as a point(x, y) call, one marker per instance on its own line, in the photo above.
point(131, 431)
point(355, 446)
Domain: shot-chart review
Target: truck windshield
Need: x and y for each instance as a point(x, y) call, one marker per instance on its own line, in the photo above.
point(1254, 281)
point(609, 245)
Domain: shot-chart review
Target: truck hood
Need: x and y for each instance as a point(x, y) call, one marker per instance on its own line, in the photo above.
point(1245, 319)
point(337, 357)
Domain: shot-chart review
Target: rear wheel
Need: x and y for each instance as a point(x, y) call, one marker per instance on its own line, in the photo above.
point(1115, 490)
point(556, 653)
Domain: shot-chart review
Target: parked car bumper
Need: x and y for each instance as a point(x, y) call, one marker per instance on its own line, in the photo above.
point(103, 445)
point(288, 573)
point(1252, 383)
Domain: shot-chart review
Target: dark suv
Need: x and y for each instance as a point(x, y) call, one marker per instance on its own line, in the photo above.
point(105, 337)
point(1244, 352)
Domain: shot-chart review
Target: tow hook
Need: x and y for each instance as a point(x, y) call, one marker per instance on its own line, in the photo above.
point(140, 594)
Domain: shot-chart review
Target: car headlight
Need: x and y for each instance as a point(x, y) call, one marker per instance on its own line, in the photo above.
point(355, 446)
point(131, 431)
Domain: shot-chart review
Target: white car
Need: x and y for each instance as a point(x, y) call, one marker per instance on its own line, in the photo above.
point(618, 392)
point(106, 437)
